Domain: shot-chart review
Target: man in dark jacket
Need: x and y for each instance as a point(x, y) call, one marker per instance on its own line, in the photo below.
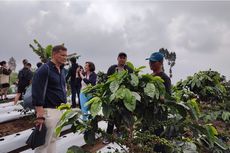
point(121, 59)
point(75, 83)
point(24, 79)
point(49, 92)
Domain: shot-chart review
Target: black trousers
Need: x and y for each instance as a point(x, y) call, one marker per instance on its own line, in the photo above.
point(75, 90)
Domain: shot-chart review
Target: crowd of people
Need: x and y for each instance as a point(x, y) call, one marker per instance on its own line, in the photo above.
point(23, 81)
point(49, 87)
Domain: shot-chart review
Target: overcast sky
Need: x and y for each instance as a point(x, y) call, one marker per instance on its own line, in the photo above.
point(199, 32)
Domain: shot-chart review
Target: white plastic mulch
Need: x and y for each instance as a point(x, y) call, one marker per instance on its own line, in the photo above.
point(18, 140)
point(12, 115)
point(112, 147)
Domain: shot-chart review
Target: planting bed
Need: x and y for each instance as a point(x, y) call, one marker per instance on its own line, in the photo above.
point(16, 126)
point(13, 135)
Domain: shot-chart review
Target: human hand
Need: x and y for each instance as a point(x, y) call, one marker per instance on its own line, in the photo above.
point(39, 122)
point(40, 116)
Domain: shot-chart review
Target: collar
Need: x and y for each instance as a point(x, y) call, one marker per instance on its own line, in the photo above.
point(54, 66)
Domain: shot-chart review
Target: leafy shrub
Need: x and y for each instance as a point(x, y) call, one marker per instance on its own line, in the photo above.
point(138, 105)
point(208, 85)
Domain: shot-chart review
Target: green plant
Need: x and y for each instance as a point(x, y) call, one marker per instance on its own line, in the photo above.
point(101, 77)
point(208, 85)
point(170, 57)
point(43, 53)
point(138, 105)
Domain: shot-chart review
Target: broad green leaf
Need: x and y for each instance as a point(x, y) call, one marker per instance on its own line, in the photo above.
point(137, 96)
point(147, 77)
point(64, 114)
point(194, 104)
point(64, 106)
point(130, 65)
point(120, 94)
point(180, 107)
point(92, 100)
point(71, 114)
point(150, 89)
point(114, 86)
point(160, 88)
point(130, 104)
point(65, 119)
point(58, 130)
point(211, 132)
point(129, 100)
point(139, 68)
point(214, 131)
point(95, 106)
point(112, 97)
point(194, 108)
point(121, 75)
point(87, 89)
point(158, 79)
point(134, 80)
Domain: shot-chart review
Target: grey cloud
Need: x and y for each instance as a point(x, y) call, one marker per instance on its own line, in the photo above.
point(99, 30)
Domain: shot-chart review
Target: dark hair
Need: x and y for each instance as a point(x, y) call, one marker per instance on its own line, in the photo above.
point(39, 64)
point(24, 61)
point(58, 48)
point(122, 54)
point(3, 62)
point(28, 64)
point(91, 66)
point(73, 59)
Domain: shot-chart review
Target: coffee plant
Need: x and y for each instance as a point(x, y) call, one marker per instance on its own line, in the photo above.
point(208, 85)
point(137, 104)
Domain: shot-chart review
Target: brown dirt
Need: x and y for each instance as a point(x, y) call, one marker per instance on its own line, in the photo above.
point(16, 126)
point(94, 148)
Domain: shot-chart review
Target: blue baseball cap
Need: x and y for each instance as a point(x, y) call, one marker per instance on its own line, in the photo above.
point(156, 57)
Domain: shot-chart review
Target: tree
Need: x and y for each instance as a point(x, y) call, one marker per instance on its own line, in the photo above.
point(43, 53)
point(12, 64)
point(170, 57)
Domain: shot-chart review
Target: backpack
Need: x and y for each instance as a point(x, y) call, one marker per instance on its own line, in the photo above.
point(27, 98)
